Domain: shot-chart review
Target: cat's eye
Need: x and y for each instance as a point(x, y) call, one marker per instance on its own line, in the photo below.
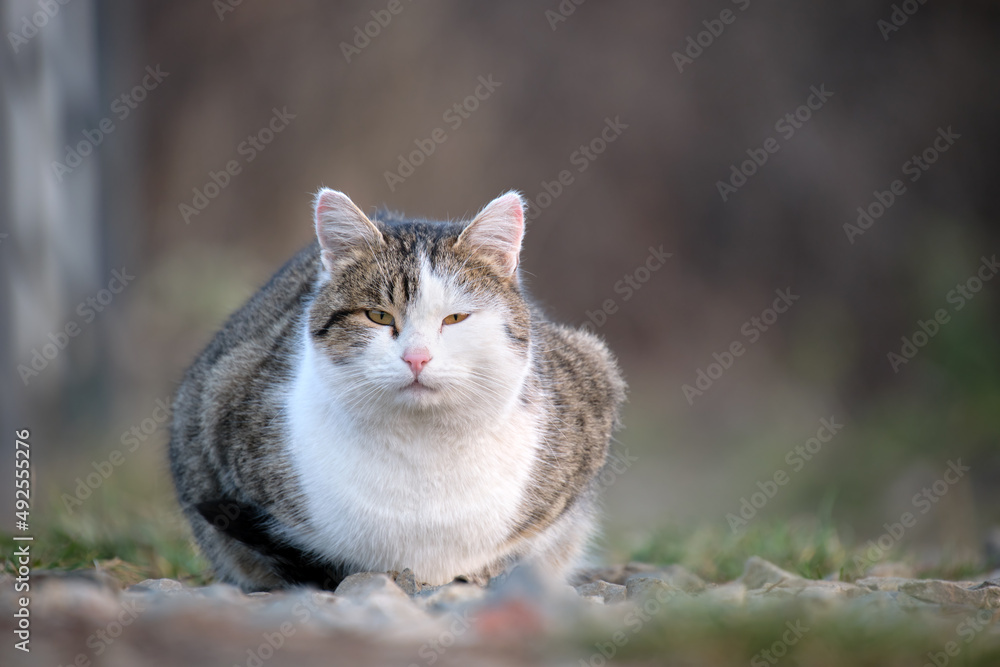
point(380, 317)
point(456, 318)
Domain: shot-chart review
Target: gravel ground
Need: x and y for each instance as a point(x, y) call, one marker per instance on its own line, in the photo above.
point(637, 614)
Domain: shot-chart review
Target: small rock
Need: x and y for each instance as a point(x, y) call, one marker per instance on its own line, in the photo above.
point(731, 593)
point(408, 582)
point(992, 577)
point(608, 593)
point(163, 586)
point(379, 603)
point(639, 587)
point(678, 576)
point(758, 573)
point(363, 585)
point(886, 584)
point(449, 596)
point(614, 574)
point(984, 596)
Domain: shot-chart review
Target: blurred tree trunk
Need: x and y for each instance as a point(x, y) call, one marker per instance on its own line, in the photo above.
point(52, 255)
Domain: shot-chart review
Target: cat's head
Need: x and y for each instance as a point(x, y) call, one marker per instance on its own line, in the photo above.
point(420, 316)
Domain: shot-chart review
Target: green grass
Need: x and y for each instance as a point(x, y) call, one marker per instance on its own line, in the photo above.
point(809, 547)
point(132, 543)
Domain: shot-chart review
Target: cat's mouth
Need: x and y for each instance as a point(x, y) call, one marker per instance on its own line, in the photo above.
point(418, 387)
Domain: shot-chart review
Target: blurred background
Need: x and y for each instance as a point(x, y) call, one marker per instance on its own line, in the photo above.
point(159, 159)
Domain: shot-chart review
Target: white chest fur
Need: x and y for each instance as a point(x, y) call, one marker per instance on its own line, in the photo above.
point(398, 494)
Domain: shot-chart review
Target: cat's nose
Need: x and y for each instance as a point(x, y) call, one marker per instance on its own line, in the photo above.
point(417, 358)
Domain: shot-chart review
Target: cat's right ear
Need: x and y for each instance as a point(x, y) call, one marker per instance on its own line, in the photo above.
point(340, 226)
point(498, 231)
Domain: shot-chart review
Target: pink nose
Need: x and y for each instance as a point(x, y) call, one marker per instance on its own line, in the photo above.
point(417, 358)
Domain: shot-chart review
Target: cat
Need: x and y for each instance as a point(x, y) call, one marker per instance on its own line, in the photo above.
point(389, 400)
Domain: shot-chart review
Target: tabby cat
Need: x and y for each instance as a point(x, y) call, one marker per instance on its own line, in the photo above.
point(391, 399)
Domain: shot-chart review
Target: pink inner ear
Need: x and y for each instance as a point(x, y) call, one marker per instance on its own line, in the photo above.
point(513, 208)
point(498, 229)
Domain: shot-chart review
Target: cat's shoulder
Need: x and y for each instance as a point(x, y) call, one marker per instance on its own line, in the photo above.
point(572, 353)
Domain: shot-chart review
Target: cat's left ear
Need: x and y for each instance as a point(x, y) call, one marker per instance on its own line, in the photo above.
point(498, 231)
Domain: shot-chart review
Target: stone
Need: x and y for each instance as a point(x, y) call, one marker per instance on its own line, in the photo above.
point(408, 582)
point(992, 577)
point(984, 596)
point(829, 594)
point(758, 573)
point(363, 585)
point(887, 584)
point(678, 576)
point(607, 592)
point(641, 587)
point(161, 586)
point(614, 574)
point(450, 596)
point(728, 594)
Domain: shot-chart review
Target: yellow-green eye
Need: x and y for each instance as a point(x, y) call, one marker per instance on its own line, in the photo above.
point(456, 318)
point(380, 317)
